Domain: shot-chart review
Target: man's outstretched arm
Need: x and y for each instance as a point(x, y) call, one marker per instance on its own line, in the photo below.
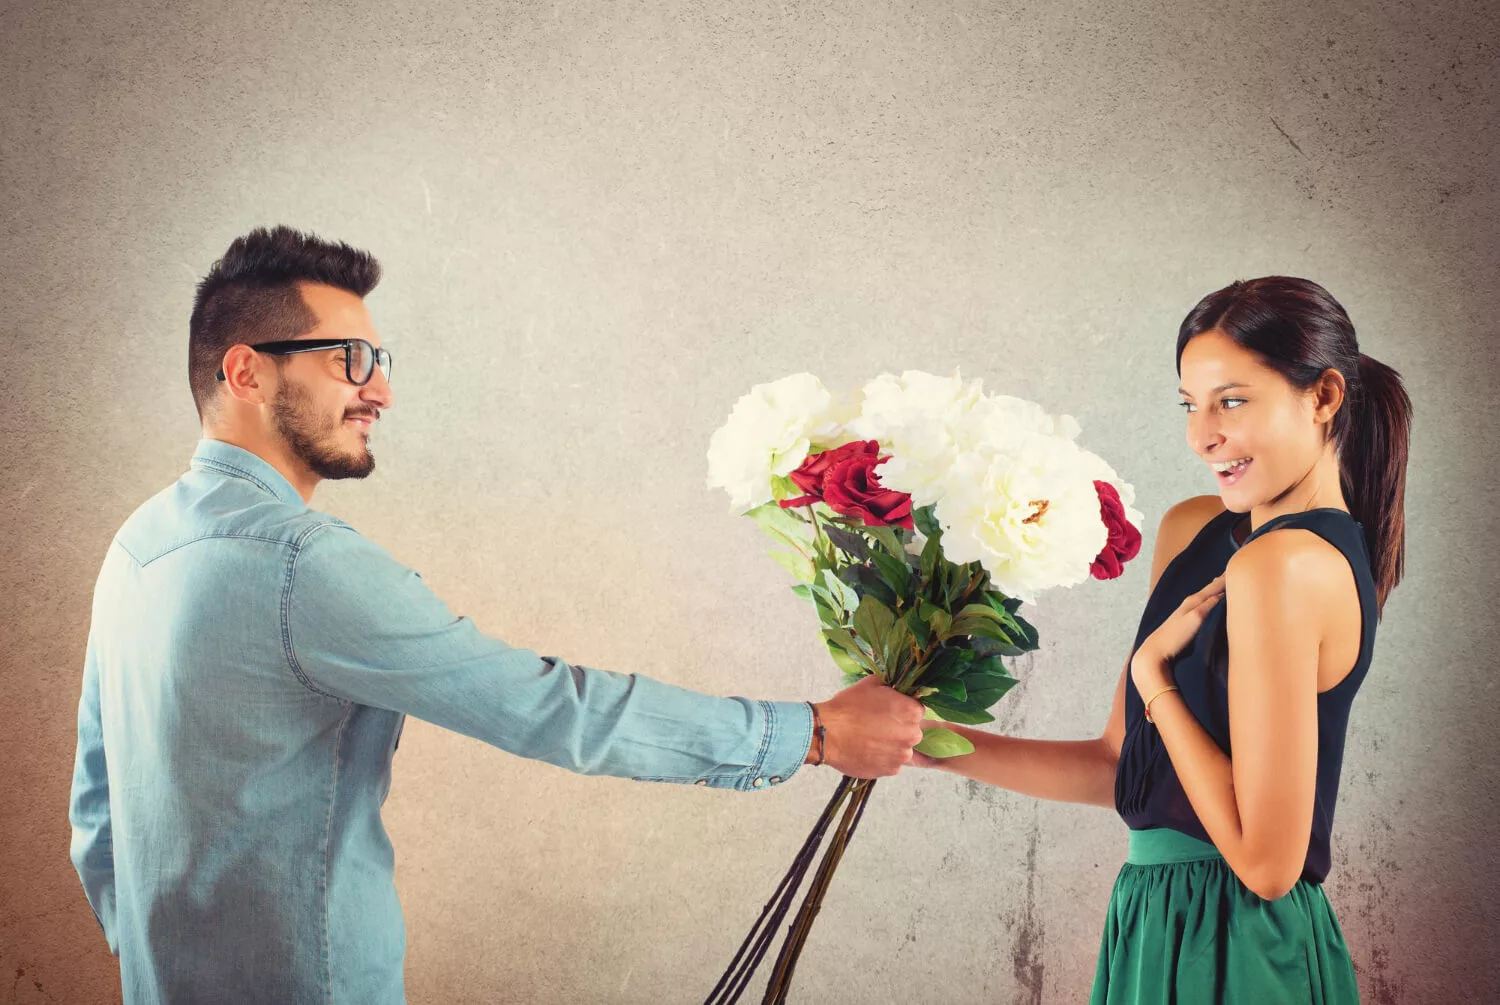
point(362, 627)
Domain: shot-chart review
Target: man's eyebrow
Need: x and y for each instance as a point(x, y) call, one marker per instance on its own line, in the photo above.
point(1221, 387)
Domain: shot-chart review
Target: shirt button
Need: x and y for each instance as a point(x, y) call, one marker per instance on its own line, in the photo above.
point(701, 781)
point(775, 779)
point(758, 782)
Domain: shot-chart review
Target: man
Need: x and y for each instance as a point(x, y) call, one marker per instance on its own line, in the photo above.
point(251, 661)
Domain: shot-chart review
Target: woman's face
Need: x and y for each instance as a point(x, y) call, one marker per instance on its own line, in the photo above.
point(1239, 408)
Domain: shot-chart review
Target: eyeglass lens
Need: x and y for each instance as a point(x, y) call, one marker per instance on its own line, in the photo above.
point(362, 360)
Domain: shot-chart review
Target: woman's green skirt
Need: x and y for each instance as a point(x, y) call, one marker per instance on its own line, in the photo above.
point(1183, 928)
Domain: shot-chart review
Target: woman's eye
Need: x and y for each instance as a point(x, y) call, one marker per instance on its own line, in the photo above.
point(1188, 405)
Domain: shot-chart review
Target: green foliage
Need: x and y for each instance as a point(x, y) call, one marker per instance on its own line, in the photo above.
point(930, 627)
point(925, 517)
point(796, 563)
point(872, 620)
point(940, 742)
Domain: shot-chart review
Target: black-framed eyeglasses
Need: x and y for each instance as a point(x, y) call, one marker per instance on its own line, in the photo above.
point(360, 357)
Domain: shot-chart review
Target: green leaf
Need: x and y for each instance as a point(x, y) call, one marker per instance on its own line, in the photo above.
point(925, 518)
point(872, 620)
point(927, 713)
point(894, 571)
point(952, 688)
point(795, 563)
point(1031, 640)
point(866, 580)
point(947, 663)
point(888, 539)
point(897, 645)
point(918, 628)
point(932, 555)
point(782, 487)
point(850, 543)
point(803, 590)
point(843, 660)
point(937, 619)
point(940, 742)
point(772, 516)
point(847, 597)
point(846, 642)
point(977, 628)
point(979, 611)
point(963, 712)
point(986, 697)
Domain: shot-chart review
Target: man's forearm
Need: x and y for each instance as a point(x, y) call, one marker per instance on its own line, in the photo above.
point(1070, 771)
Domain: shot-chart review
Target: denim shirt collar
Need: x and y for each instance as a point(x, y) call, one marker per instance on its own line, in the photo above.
point(227, 459)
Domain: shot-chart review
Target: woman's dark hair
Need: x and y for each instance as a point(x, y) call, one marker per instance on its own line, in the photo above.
point(1298, 329)
point(250, 295)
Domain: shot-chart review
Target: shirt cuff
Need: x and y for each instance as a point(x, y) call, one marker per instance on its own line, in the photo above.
point(787, 737)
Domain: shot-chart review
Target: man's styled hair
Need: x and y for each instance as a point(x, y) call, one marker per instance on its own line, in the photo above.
point(250, 296)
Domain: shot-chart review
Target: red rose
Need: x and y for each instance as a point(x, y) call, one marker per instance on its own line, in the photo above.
point(1124, 539)
point(809, 477)
point(845, 479)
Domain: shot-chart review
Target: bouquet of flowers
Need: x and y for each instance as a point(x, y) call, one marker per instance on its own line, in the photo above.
point(1006, 504)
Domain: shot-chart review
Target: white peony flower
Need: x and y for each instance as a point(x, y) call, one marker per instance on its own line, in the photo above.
point(770, 431)
point(834, 428)
point(1028, 513)
point(1000, 417)
point(920, 420)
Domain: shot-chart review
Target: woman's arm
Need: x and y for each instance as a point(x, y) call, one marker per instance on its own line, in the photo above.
point(1258, 807)
point(1070, 771)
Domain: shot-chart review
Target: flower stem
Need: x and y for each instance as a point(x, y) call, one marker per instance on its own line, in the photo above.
point(817, 531)
point(791, 949)
point(737, 975)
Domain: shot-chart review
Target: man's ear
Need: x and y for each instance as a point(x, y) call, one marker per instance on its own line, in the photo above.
point(244, 376)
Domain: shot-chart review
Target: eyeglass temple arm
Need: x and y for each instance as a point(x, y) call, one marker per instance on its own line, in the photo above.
point(292, 352)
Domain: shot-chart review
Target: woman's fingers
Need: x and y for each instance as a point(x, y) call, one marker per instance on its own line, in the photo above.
point(1215, 586)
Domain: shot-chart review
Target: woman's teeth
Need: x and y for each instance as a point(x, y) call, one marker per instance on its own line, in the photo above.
point(1233, 474)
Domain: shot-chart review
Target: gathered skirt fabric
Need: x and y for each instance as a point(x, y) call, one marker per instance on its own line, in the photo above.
point(1182, 928)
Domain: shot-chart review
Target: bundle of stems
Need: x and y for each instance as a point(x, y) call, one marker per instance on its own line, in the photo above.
point(851, 795)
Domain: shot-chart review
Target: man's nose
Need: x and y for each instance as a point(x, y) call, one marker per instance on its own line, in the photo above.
point(377, 390)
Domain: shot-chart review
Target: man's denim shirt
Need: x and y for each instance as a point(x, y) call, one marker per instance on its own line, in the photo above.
point(250, 664)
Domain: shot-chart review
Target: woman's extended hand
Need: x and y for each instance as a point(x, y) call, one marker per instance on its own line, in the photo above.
point(1148, 667)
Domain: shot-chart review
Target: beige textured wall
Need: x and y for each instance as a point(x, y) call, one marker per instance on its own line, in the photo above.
point(603, 222)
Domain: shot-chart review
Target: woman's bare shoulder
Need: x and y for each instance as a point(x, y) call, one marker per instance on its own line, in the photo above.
point(1184, 521)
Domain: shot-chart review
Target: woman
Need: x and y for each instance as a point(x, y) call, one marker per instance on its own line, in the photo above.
point(1256, 636)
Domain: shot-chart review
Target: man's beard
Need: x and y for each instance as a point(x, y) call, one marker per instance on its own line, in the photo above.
point(312, 438)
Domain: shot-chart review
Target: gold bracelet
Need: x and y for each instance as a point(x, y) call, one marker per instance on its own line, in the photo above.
point(1169, 687)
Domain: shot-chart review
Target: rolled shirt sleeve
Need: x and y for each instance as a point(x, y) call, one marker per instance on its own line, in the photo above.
point(361, 627)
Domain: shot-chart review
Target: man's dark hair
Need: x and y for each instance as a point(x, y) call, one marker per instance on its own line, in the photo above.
point(250, 296)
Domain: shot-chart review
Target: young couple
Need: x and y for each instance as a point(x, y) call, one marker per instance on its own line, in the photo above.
point(251, 661)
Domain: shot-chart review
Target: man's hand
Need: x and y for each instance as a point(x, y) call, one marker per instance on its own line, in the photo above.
point(870, 729)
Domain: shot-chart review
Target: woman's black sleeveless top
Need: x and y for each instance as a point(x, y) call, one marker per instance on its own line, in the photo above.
point(1147, 790)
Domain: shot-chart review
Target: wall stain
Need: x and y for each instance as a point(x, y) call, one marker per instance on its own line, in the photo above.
point(1386, 988)
point(1027, 958)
